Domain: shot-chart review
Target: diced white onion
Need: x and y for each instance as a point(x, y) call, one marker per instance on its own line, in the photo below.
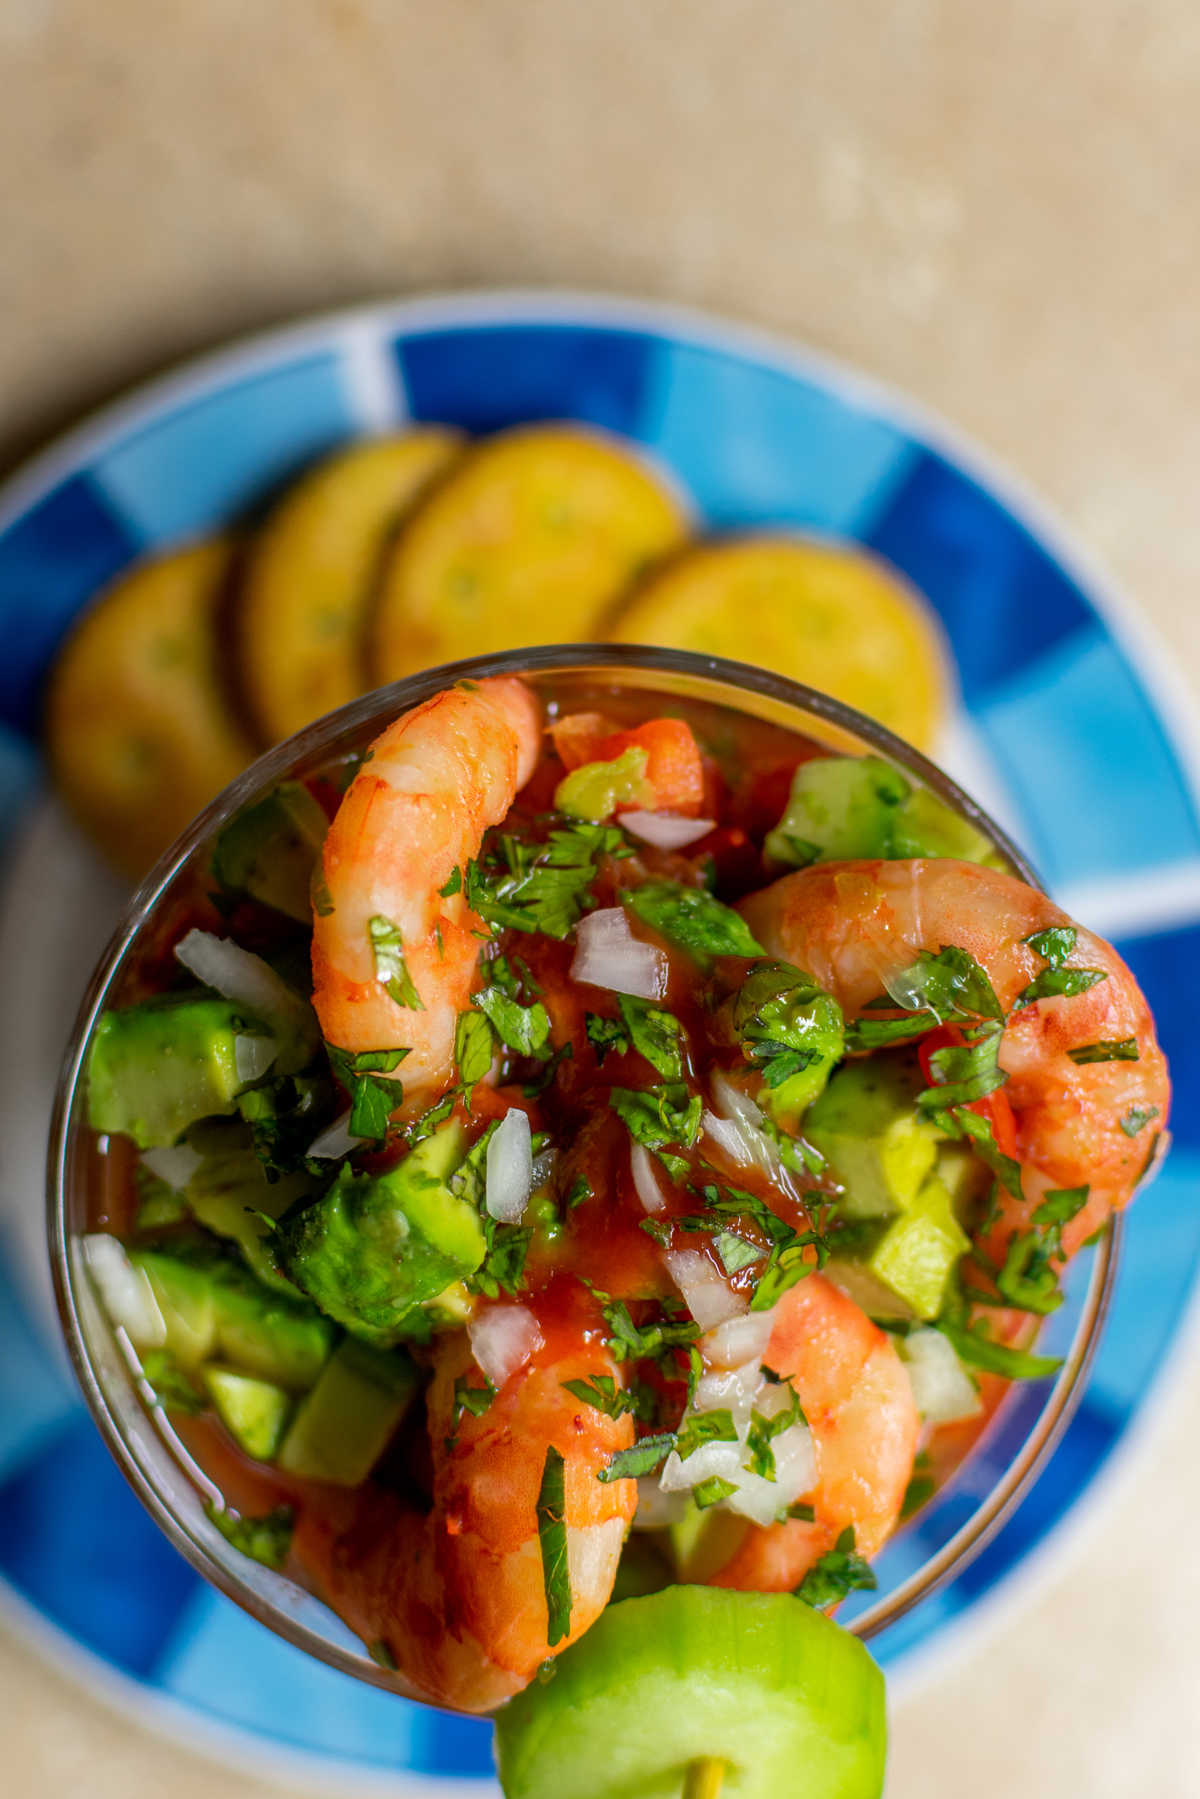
point(544, 1165)
point(239, 975)
point(742, 1392)
point(739, 1340)
point(707, 1294)
point(509, 1167)
point(657, 1510)
point(795, 1474)
point(503, 1338)
point(722, 1461)
point(125, 1291)
point(736, 1124)
point(252, 1056)
point(645, 1179)
point(736, 1390)
point(334, 1141)
point(607, 954)
point(664, 830)
point(942, 1389)
point(175, 1165)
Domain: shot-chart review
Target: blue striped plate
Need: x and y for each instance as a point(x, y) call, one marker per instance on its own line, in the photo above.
point(1070, 729)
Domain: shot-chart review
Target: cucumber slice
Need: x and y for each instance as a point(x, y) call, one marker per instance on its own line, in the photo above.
point(786, 1699)
point(254, 1412)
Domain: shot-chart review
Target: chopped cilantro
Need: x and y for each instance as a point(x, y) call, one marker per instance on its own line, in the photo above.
point(527, 886)
point(762, 1432)
point(950, 984)
point(693, 919)
point(472, 1050)
point(919, 1489)
point(453, 884)
point(605, 1034)
point(699, 1428)
point(523, 1029)
point(387, 947)
point(1053, 945)
point(978, 1130)
point(712, 1491)
point(1058, 983)
point(267, 1539)
point(786, 1023)
point(467, 1398)
point(654, 1033)
point(656, 1342)
point(373, 1097)
point(1120, 1049)
point(552, 1536)
point(581, 1189)
point(965, 1072)
point(1061, 1205)
point(978, 1351)
point(604, 1395)
point(322, 899)
point(657, 1116)
point(839, 1571)
point(735, 1252)
point(643, 1458)
point(1137, 1118)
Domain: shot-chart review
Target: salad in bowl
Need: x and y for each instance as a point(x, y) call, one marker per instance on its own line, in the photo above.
point(562, 1161)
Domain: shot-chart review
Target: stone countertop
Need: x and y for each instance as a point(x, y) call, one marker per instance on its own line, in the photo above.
point(995, 209)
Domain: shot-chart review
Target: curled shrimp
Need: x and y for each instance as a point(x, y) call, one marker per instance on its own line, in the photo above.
point(857, 1397)
point(393, 956)
point(457, 1594)
point(856, 925)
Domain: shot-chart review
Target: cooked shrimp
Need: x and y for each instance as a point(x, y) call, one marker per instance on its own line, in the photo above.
point(857, 1398)
point(416, 812)
point(855, 925)
point(457, 1595)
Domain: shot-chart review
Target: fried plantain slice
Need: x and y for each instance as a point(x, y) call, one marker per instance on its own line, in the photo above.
point(828, 614)
point(530, 540)
point(139, 734)
point(310, 571)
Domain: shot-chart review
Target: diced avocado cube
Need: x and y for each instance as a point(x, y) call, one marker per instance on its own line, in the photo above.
point(265, 1333)
point(869, 1293)
point(704, 1539)
point(965, 1177)
point(924, 825)
point(911, 1258)
point(230, 1194)
point(375, 1248)
point(867, 1126)
point(211, 1304)
point(184, 1291)
point(155, 1068)
point(253, 1411)
point(344, 1425)
point(839, 807)
point(270, 850)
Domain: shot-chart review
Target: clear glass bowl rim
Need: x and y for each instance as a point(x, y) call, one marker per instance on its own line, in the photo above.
point(374, 710)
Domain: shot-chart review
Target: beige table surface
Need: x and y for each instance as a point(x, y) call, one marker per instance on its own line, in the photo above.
point(995, 207)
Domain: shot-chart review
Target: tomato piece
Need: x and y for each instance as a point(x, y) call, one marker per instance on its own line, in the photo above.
point(673, 766)
point(994, 1106)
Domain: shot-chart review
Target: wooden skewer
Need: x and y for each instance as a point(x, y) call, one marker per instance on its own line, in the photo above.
point(704, 1779)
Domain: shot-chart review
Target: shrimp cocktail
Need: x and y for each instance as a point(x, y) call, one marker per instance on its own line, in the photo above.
point(567, 1174)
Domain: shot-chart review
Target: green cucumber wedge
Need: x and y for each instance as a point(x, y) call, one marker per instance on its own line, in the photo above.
point(755, 1693)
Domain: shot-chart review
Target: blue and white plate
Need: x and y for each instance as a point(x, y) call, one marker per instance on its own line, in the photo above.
point(1070, 731)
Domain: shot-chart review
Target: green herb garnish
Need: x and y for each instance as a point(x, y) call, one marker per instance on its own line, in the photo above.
point(387, 947)
point(524, 886)
point(839, 1571)
point(552, 1536)
point(692, 919)
point(1120, 1049)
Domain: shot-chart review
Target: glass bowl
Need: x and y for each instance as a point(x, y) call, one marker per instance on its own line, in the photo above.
point(945, 1535)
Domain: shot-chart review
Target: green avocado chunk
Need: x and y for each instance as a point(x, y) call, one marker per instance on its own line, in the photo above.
point(867, 1126)
point(375, 1247)
point(786, 1699)
point(230, 1194)
point(839, 807)
point(344, 1425)
point(212, 1305)
point(926, 826)
point(902, 1267)
point(270, 850)
point(253, 1411)
point(157, 1067)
